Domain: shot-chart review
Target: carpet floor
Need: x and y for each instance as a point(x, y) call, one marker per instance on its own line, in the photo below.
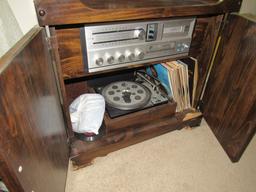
point(190, 160)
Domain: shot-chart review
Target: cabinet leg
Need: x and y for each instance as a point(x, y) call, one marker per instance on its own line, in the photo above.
point(195, 122)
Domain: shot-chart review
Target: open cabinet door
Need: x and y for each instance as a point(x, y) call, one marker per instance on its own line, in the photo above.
point(33, 140)
point(229, 102)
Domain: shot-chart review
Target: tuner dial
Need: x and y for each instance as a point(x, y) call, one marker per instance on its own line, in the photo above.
point(139, 33)
point(99, 61)
point(140, 54)
point(130, 55)
point(120, 57)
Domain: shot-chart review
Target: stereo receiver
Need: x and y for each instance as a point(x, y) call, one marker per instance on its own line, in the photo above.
point(109, 46)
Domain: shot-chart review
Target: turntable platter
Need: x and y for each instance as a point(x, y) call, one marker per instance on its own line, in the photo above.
point(126, 95)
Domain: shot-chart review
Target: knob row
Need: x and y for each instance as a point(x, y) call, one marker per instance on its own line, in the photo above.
point(120, 57)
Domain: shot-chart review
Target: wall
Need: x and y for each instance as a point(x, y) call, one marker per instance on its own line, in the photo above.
point(17, 17)
point(248, 6)
point(10, 31)
point(25, 14)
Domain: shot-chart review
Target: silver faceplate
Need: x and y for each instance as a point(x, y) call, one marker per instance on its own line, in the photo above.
point(109, 46)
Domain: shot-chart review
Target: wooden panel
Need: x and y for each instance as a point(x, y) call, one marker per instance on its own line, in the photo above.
point(70, 52)
point(140, 118)
point(203, 43)
point(33, 135)
point(230, 97)
point(8, 175)
point(59, 79)
point(82, 153)
point(75, 89)
point(58, 12)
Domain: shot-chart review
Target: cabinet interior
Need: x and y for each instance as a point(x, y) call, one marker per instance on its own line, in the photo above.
point(128, 129)
point(77, 81)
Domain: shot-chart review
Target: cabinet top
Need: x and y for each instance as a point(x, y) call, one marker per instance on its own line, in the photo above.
point(63, 12)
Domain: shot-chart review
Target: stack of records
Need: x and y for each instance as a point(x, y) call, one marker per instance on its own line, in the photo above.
point(180, 80)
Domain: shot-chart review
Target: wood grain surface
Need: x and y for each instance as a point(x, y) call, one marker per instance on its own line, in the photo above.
point(140, 118)
point(59, 80)
point(230, 97)
point(75, 89)
point(33, 140)
point(59, 12)
point(70, 52)
point(7, 174)
point(203, 43)
point(83, 153)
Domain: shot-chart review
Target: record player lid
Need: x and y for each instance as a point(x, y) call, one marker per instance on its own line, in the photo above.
point(126, 95)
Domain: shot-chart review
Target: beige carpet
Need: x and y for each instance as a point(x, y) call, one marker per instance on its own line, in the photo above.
point(180, 161)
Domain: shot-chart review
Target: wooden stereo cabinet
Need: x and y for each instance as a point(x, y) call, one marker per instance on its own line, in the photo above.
point(44, 72)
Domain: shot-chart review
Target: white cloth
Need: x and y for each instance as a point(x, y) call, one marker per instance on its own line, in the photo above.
point(87, 113)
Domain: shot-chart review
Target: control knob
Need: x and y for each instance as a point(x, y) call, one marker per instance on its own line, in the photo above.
point(130, 55)
point(140, 54)
point(120, 57)
point(99, 61)
point(110, 59)
point(140, 34)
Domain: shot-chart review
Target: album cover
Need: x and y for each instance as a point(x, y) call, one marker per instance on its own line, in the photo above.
point(192, 66)
point(160, 72)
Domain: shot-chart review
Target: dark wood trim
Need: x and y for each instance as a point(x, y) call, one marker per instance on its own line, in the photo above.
point(57, 12)
point(33, 134)
point(70, 52)
point(140, 118)
point(56, 58)
point(8, 175)
point(229, 102)
point(203, 44)
point(83, 153)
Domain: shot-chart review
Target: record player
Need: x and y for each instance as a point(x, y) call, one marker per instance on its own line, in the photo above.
point(123, 97)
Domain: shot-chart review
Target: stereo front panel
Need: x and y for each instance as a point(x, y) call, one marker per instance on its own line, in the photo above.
point(118, 45)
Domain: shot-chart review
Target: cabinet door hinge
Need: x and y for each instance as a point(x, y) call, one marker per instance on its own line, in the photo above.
point(48, 37)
